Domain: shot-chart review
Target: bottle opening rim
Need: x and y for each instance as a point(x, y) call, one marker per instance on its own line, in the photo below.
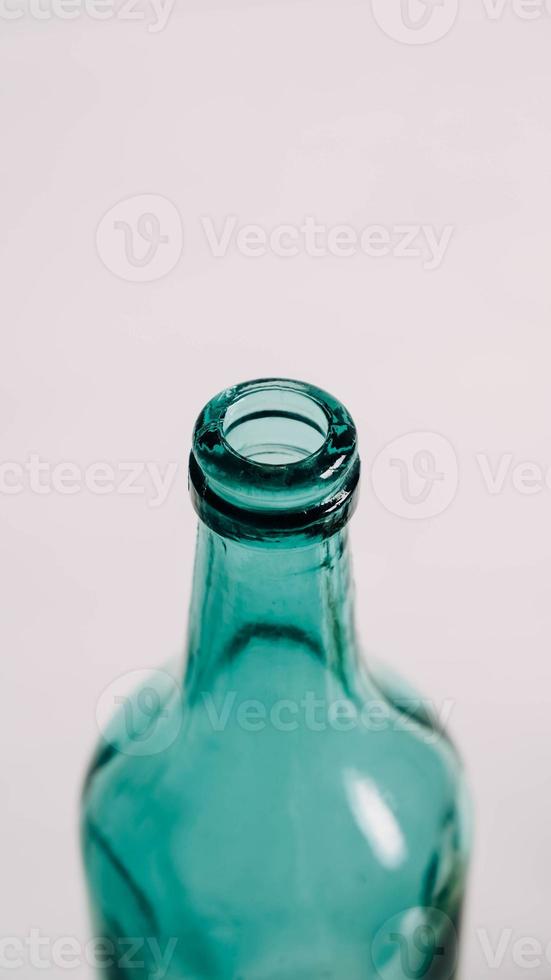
point(274, 455)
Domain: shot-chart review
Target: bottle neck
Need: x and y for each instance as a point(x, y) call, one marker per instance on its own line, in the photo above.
point(276, 595)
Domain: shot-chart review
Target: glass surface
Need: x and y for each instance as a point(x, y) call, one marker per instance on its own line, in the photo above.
point(278, 812)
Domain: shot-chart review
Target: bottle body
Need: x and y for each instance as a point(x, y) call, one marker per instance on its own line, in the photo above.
point(281, 816)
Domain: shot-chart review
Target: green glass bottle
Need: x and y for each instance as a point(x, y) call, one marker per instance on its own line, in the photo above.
point(278, 812)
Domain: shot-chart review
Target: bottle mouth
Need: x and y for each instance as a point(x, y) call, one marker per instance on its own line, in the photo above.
point(274, 457)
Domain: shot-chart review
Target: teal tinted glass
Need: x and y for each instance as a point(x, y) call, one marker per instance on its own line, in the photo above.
point(276, 810)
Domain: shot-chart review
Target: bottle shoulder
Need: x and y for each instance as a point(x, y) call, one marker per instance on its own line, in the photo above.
point(375, 746)
point(310, 814)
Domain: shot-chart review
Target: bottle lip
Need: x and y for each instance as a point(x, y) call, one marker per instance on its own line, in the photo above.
point(241, 496)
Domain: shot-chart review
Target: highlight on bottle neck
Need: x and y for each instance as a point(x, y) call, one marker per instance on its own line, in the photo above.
point(274, 459)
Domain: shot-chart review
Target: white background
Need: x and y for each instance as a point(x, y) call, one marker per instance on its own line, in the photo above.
point(272, 111)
